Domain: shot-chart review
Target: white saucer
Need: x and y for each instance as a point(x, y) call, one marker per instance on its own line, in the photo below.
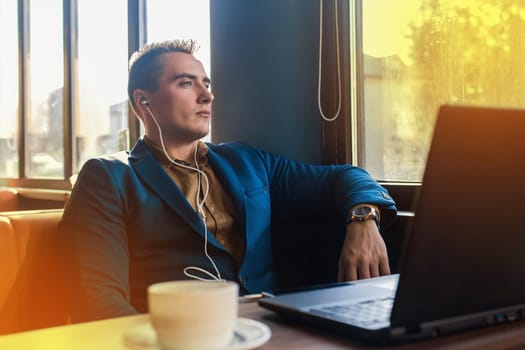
point(249, 334)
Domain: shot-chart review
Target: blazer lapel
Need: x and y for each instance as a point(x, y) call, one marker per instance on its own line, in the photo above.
point(229, 179)
point(150, 171)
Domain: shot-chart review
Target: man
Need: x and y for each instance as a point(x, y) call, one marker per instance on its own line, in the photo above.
point(137, 218)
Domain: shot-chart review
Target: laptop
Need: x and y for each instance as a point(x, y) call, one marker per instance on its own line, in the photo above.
point(464, 253)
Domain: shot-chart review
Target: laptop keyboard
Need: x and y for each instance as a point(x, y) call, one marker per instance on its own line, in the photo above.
point(364, 313)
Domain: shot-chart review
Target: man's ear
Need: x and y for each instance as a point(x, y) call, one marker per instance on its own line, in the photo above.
point(138, 97)
point(139, 105)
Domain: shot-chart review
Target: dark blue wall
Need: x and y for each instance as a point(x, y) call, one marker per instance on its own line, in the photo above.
point(264, 56)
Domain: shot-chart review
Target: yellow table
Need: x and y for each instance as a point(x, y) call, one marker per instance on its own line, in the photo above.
point(107, 335)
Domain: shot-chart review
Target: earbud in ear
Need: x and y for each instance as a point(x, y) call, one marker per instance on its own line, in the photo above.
point(144, 102)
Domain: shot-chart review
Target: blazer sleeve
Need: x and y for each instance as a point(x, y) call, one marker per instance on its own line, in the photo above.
point(94, 246)
point(324, 187)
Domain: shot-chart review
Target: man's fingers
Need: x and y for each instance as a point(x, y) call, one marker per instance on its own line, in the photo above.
point(364, 271)
point(351, 273)
point(374, 270)
point(341, 273)
point(384, 267)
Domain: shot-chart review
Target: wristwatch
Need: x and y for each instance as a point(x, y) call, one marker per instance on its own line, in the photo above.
point(363, 213)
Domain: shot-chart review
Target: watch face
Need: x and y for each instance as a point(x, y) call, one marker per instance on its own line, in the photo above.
point(362, 211)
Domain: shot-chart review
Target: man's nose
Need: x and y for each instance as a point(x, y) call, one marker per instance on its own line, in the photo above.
point(206, 96)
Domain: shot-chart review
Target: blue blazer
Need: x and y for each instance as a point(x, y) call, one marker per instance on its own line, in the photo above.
point(127, 224)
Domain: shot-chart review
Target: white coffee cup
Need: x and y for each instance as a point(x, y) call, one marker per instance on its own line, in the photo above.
point(193, 314)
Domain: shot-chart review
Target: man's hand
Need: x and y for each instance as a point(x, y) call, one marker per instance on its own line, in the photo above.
point(363, 254)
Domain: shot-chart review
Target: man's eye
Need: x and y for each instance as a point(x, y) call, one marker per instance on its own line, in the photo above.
point(186, 83)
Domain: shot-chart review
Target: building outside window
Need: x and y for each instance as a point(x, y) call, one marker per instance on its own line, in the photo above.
point(8, 90)
point(45, 77)
point(101, 113)
point(419, 54)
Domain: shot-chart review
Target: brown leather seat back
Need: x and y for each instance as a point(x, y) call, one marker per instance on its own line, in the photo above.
point(9, 199)
point(9, 266)
point(37, 296)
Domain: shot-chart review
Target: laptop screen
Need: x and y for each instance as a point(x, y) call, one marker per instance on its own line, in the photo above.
point(465, 247)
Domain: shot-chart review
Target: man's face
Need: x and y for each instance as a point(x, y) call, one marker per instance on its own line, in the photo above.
point(182, 101)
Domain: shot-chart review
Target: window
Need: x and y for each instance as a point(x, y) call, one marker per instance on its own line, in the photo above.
point(67, 62)
point(8, 90)
point(101, 121)
point(419, 54)
point(44, 116)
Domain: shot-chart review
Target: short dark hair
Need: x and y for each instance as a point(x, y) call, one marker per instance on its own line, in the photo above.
point(145, 67)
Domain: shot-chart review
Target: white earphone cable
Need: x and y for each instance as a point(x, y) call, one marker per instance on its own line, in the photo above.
point(198, 203)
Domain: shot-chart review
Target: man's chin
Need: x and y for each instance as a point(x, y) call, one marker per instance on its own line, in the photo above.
point(203, 135)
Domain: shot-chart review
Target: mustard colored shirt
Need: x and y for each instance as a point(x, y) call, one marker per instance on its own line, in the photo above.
point(218, 207)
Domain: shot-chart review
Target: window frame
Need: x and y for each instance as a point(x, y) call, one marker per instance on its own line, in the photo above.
point(341, 138)
point(136, 38)
point(338, 140)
